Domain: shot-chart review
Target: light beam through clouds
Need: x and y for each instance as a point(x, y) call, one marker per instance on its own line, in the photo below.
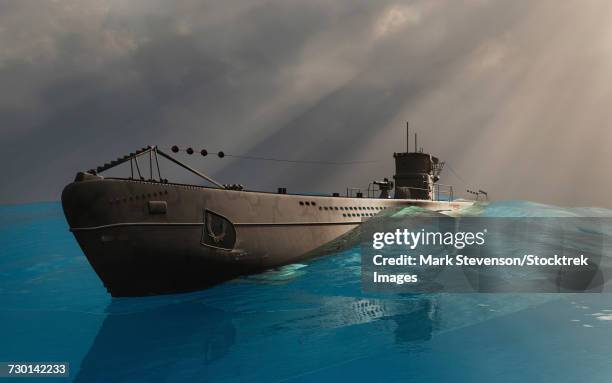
point(515, 95)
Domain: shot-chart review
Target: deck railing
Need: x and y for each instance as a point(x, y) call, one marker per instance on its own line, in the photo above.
point(439, 192)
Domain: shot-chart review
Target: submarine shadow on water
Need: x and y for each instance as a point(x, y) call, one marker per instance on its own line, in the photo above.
point(154, 344)
point(196, 342)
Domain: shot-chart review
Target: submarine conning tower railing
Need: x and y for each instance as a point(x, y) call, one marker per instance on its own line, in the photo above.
point(153, 152)
point(439, 192)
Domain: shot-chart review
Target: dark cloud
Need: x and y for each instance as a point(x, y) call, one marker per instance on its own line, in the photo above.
point(512, 94)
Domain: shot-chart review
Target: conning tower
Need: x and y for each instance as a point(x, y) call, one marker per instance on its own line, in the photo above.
point(415, 172)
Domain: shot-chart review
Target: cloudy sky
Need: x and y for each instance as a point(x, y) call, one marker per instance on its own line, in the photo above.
point(515, 95)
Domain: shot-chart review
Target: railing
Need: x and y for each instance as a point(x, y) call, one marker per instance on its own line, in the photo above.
point(444, 188)
point(153, 152)
point(478, 194)
point(372, 190)
point(437, 192)
point(349, 192)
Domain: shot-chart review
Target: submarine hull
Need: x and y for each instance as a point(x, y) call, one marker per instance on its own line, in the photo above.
point(148, 237)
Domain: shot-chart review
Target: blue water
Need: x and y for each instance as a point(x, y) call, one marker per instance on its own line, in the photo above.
point(303, 323)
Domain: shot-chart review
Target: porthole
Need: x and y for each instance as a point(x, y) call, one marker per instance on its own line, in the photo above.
point(307, 203)
point(301, 203)
point(335, 207)
point(313, 203)
point(344, 215)
point(326, 208)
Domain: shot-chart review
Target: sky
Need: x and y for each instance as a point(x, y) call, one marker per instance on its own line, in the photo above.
point(514, 95)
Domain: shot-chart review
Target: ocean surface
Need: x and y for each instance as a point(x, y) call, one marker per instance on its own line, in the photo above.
point(307, 322)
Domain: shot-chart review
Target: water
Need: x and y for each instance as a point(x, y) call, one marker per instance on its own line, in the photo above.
point(302, 323)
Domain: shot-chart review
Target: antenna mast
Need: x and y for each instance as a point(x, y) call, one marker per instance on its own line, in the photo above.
point(407, 137)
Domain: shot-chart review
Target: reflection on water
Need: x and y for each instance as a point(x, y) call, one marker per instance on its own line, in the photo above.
point(166, 339)
point(157, 343)
point(405, 320)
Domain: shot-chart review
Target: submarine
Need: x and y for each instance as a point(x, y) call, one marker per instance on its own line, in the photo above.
point(147, 236)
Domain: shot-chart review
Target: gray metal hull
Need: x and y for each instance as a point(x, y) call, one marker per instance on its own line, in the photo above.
point(137, 250)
